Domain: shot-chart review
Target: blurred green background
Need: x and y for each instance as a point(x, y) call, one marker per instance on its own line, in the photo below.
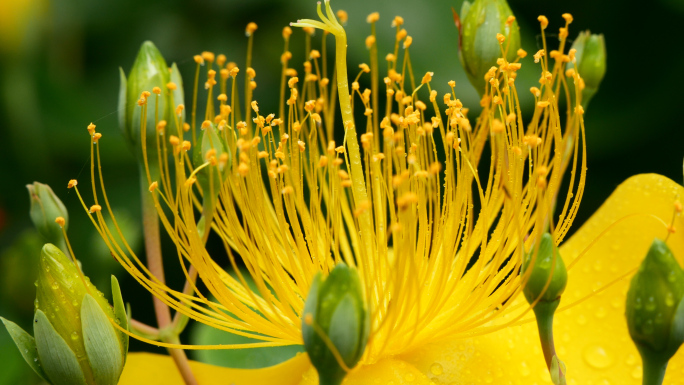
point(59, 65)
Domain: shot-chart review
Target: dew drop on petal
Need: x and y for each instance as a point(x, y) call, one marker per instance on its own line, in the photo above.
point(597, 357)
point(436, 369)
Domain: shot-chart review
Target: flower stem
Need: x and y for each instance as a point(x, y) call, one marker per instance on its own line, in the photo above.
point(156, 267)
point(654, 369)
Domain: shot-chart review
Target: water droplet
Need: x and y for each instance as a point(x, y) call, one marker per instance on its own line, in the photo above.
point(637, 303)
point(669, 299)
point(54, 286)
point(436, 369)
point(74, 336)
point(524, 369)
point(637, 372)
point(35, 359)
point(650, 304)
point(410, 377)
point(648, 327)
point(597, 357)
point(671, 277)
point(582, 320)
point(601, 312)
point(74, 302)
point(35, 283)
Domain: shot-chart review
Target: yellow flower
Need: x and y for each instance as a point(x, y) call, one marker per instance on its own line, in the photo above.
point(436, 230)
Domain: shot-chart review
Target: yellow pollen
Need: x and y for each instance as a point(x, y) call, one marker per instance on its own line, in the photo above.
point(249, 30)
point(678, 206)
point(206, 124)
point(370, 40)
point(72, 183)
point(208, 56)
point(221, 60)
point(95, 208)
point(60, 221)
point(185, 145)
point(91, 129)
point(156, 90)
point(287, 32)
point(543, 104)
point(243, 169)
point(96, 137)
point(186, 127)
point(198, 59)
point(500, 37)
point(390, 57)
point(510, 20)
point(567, 17)
point(153, 186)
point(521, 53)
point(288, 190)
point(373, 17)
point(543, 21)
point(222, 97)
point(342, 16)
point(171, 86)
point(398, 21)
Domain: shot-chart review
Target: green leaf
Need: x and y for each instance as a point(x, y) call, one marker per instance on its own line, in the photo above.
point(241, 358)
point(59, 362)
point(102, 344)
point(120, 316)
point(26, 345)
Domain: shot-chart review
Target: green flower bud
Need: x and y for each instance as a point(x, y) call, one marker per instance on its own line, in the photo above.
point(548, 263)
point(74, 341)
point(591, 64)
point(45, 208)
point(654, 310)
point(481, 22)
point(149, 71)
point(335, 311)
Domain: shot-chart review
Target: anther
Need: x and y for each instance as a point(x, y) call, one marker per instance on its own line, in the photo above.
point(206, 124)
point(543, 21)
point(398, 21)
point(373, 17)
point(96, 137)
point(156, 90)
point(287, 32)
point(208, 56)
point(171, 86)
point(95, 208)
point(342, 16)
point(153, 186)
point(72, 183)
point(60, 221)
point(190, 181)
point(249, 30)
point(221, 60)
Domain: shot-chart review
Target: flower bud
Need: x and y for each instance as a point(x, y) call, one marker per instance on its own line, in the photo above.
point(335, 316)
point(481, 22)
point(654, 308)
point(74, 341)
point(591, 63)
point(149, 71)
point(548, 264)
point(45, 208)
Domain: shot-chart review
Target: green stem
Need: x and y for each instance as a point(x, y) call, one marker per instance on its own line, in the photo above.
point(156, 267)
point(654, 369)
point(543, 311)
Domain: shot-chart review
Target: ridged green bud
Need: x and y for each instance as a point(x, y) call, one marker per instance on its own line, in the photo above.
point(45, 208)
point(548, 263)
point(149, 71)
point(74, 341)
point(654, 310)
point(335, 308)
point(591, 63)
point(481, 22)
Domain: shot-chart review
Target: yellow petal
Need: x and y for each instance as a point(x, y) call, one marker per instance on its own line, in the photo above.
point(591, 337)
point(155, 369)
point(386, 371)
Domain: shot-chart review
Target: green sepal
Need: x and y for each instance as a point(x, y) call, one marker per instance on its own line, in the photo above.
point(45, 208)
point(26, 345)
point(310, 307)
point(654, 302)
point(102, 344)
point(120, 316)
point(465, 7)
point(59, 362)
point(548, 264)
point(178, 94)
point(558, 371)
point(590, 57)
point(122, 106)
